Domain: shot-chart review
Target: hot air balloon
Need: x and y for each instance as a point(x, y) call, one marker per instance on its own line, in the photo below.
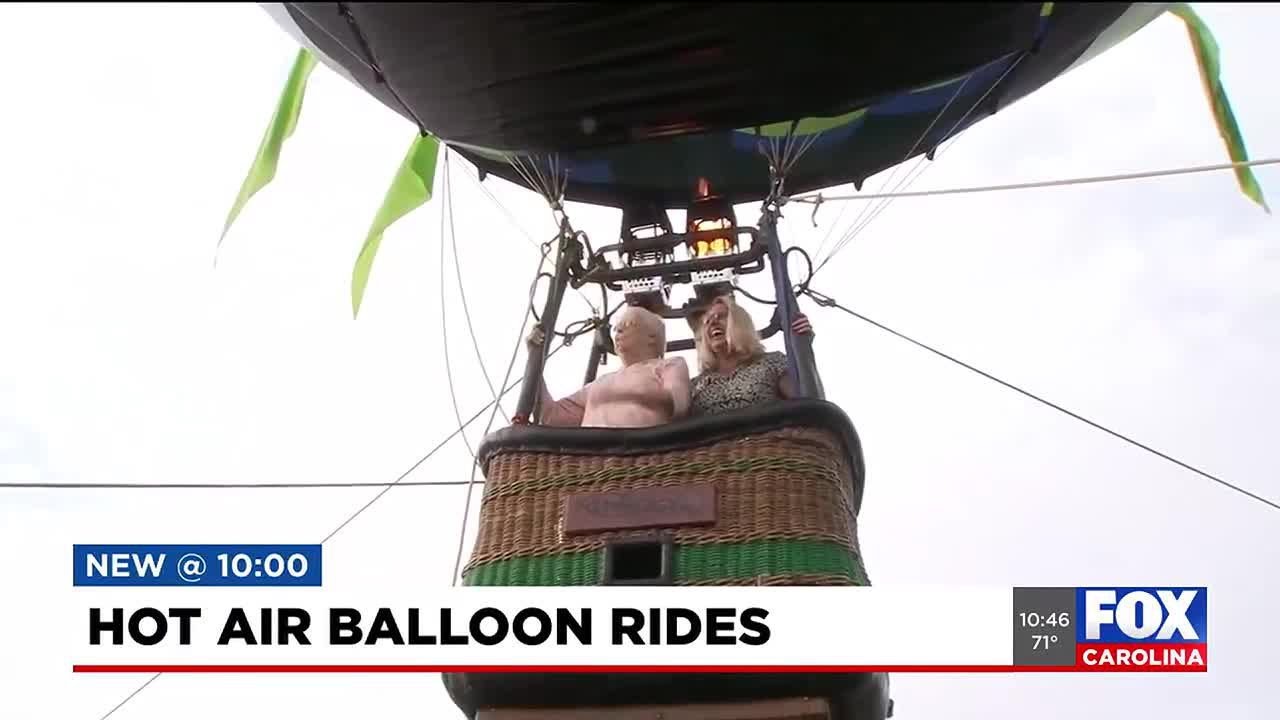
point(701, 107)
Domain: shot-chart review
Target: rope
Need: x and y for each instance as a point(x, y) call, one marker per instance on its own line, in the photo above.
point(357, 513)
point(425, 457)
point(228, 486)
point(281, 486)
point(444, 326)
point(496, 405)
point(827, 301)
point(857, 227)
point(457, 268)
point(528, 238)
point(1044, 183)
point(917, 171)
point(141, 687)
point(937, 116)
point(379, 76)
point(515, 351)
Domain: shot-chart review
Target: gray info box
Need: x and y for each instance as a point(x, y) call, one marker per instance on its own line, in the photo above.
point(1044, 626)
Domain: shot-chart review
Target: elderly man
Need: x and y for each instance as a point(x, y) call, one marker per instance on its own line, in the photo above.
point(648, 390)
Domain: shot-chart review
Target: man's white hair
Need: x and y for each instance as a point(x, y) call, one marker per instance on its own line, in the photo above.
point(636, 315)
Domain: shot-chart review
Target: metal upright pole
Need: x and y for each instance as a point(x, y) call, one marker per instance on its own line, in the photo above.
point(801, 364)
point(529, 405)
point(599, 348)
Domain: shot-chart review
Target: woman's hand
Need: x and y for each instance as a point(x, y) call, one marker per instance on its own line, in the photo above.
point(801, 326)
point(535, 339)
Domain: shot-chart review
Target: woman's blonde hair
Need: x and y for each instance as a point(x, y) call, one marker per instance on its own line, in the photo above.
point(739, 330)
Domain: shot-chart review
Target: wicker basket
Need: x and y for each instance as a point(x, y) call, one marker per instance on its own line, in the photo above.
point(784, 513)
point(768, 495)
point(788, 709)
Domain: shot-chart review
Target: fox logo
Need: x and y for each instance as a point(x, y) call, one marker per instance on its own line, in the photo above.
point(1146, 614)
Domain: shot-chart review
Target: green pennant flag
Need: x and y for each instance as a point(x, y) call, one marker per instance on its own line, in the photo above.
point(282, 126)
point(411, 187)
point(1209, 62)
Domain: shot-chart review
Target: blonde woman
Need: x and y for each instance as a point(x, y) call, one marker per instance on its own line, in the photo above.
point(735, 371)
point(648, 390)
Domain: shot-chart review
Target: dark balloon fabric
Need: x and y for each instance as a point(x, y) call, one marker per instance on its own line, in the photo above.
point(638, 101)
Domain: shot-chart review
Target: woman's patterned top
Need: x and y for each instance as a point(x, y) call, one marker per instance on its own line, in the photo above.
point(750, 384)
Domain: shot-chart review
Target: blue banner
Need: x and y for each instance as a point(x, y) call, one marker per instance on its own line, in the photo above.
point(1119, 615)
point(196, 565)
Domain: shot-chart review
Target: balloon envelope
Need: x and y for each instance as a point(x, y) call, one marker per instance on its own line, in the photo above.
point(638, 101)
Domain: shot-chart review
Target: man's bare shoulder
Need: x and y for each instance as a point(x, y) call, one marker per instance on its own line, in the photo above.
point(676, 364)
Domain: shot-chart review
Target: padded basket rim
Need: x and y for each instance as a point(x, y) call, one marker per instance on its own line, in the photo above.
point(688, 433)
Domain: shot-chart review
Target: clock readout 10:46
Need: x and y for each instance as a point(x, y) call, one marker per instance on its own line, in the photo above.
point(1035, 619)
point(272, 565)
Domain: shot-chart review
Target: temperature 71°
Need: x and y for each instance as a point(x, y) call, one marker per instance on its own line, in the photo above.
point(1043, 642)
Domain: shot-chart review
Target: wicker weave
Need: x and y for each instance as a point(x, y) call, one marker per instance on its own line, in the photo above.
point(784, 513)
point(788, 709)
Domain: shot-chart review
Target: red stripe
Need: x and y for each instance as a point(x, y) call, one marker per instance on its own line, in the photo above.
point(608, 669)
point(1165, 657)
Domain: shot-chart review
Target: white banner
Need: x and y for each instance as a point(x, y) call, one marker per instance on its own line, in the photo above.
point(709, 627)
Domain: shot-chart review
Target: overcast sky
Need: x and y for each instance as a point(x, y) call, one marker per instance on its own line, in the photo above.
point(1149, 306)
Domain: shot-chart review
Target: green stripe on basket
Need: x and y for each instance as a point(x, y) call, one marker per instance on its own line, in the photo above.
point(693, 563)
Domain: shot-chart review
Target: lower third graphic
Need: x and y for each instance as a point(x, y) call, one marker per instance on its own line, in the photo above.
point(196, 565)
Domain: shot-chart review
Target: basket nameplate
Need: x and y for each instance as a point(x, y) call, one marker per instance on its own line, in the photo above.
point(640, 509)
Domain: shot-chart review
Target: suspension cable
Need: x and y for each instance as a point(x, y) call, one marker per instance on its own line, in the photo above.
point(907, 156)
point(917, 171)
point(462, 293)
point(1048, 183)
point(827, 301)
point(130, 696)
point(475, 464)
point(857, 228)
point(528, 238)
point(444, 328)
point(424, 458)
point(922, 165)
point(229, 486)
point(471, 483)
point(554, 194)
point(375, 499)
point(457, 268)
